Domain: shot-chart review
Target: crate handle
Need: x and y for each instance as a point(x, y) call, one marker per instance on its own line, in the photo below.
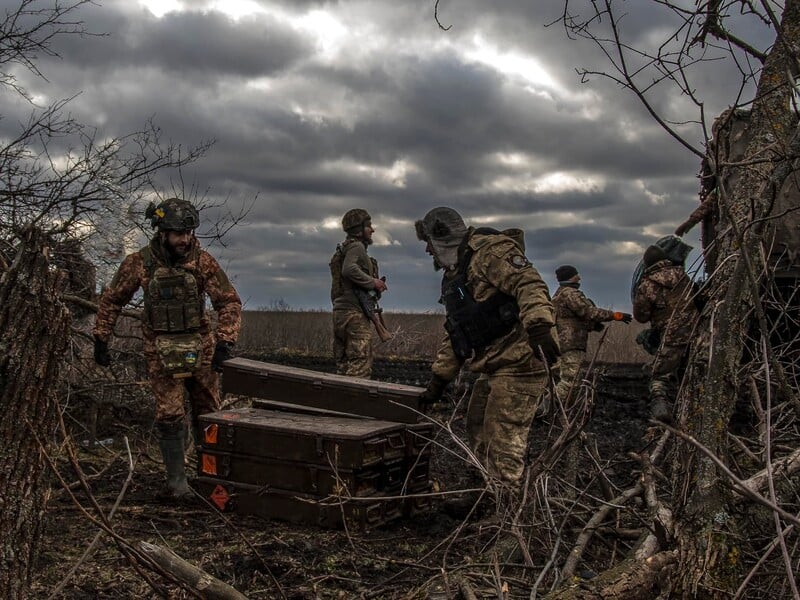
point(396, 441)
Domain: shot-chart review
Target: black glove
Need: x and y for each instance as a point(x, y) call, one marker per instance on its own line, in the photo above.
point(433, 391)
point(222, 351)
point(624, 317)
point(101, 355)
point(541, 336)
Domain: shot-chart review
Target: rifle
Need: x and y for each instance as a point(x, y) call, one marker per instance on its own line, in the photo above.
point(369, 305)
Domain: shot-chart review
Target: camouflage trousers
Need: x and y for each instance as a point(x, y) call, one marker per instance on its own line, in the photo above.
point(499, 416)
point(352, 343)
point(570, 363)
point(202, 389)
point(667, 371)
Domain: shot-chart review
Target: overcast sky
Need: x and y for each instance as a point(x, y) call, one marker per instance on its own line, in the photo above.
point(317, 107)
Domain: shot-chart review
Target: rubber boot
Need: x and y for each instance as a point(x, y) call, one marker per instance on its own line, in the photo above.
point(171, 438)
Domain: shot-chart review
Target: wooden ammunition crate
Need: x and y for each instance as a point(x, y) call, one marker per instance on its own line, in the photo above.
point(334, 442)
point(351, 395)
point(302, 477)
point(244, 499)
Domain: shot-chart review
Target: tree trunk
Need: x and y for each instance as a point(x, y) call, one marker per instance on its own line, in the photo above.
point(34, 328)
point(706, 535)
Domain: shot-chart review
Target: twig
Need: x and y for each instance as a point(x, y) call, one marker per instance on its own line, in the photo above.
point(739, 483)
point(90, 550)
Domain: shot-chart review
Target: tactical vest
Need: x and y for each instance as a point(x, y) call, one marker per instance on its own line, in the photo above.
point(336, 272)
point(173, 308)
point(473, 325)
point(335, 264)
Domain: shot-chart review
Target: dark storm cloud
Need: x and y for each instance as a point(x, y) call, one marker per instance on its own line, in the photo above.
point(209, 43)
point(396, 116)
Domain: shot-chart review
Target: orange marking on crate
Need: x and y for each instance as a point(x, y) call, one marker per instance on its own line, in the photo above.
point(220, 497)
point(209, 464)
point(211, 433)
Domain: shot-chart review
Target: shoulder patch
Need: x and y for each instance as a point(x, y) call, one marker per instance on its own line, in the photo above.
point(519, 261)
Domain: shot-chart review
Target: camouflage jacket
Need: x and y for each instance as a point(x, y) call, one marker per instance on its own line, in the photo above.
point(133, 274)
point(664, 298)
point(498, 264)
point(358, 270)
point(576, 316)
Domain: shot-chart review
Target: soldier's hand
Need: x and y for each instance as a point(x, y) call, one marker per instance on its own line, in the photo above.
point(380, 285)
point(681, 229)
point(433, 391)
point(541, 336)
point(624, 317)
point(101, 354)
point(223, 351)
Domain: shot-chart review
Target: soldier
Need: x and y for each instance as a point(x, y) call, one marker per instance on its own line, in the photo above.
point(498, 315)
point(664, 297)
point(576, 316)
point(352, 268)
point(183, 354)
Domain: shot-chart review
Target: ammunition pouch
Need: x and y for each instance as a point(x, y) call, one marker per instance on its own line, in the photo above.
point(173, 303)
point(181, 354)
point(473, 325)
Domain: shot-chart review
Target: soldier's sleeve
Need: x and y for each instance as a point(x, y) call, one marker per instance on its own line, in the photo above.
point(585, 309)
point(446, 364)
point(352, 269)
point(507, 269)
point(126, 281)
point(702, 211)
point(643, 303)
point(224, 299)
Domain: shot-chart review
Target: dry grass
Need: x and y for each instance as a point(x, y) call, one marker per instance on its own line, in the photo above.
point(416, 335)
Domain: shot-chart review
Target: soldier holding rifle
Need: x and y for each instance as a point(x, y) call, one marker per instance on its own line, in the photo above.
point(355, 289)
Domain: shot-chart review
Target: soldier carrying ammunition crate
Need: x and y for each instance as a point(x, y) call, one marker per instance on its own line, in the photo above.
point(355, 288)
point(183, 354)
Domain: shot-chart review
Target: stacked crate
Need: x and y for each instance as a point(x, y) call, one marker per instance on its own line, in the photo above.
point(289, 458)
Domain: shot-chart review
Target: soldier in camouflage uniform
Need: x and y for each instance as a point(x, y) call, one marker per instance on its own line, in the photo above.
point(500, 318)
point(351, 267)
point(183, 354)
point(576, 316)
point(665, 299)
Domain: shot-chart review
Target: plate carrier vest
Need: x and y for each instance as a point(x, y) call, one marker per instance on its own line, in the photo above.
point(473, 325)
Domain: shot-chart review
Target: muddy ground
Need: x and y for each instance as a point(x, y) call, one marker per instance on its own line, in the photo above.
point(271, 559)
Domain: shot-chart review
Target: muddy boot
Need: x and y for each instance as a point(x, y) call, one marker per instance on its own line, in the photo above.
point(660, 409)
point(171, 437)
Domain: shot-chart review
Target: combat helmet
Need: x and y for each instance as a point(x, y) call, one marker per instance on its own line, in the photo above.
point(354, 220)
point(173, 214)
